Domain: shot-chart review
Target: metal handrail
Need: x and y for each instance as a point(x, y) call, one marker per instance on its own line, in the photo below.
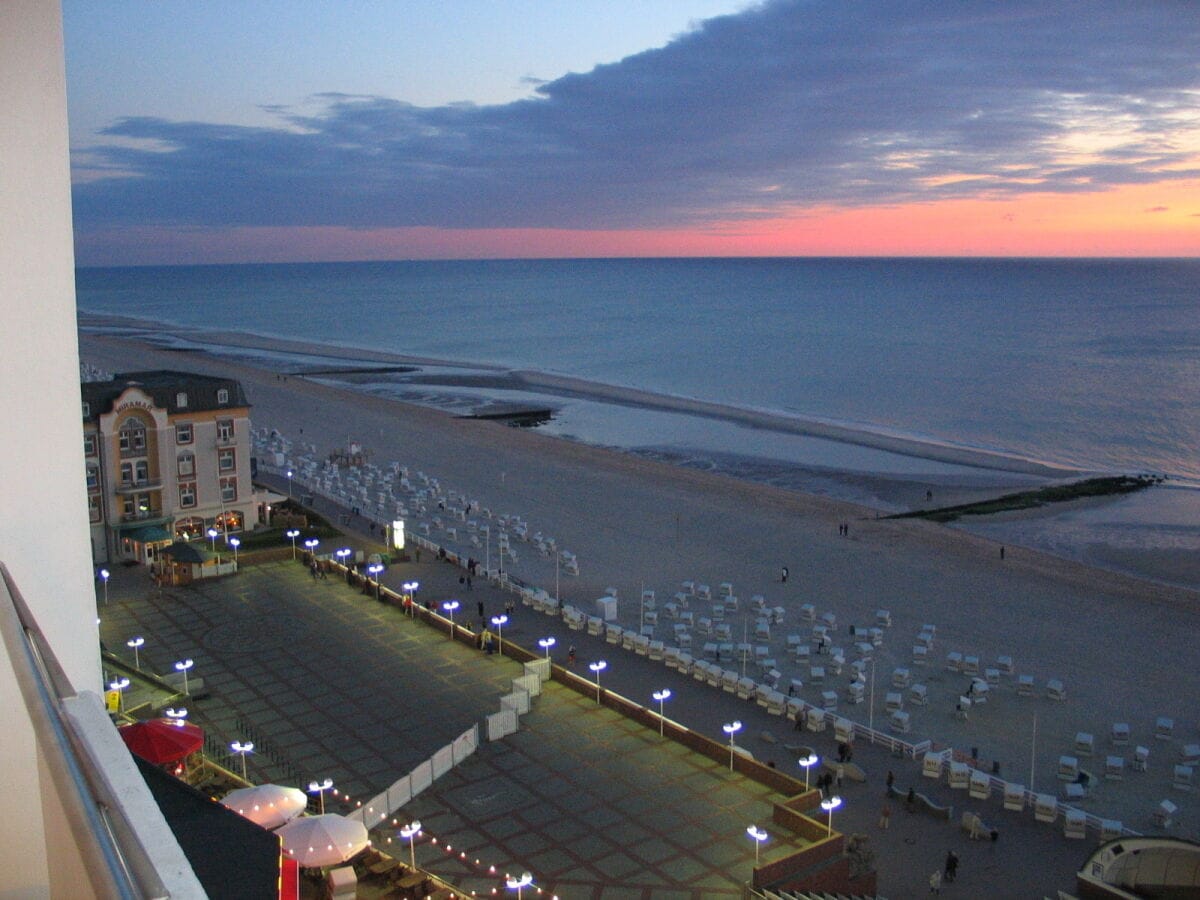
point(114, 857)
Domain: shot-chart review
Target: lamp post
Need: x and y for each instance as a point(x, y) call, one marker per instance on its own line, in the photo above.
point(183, 666)
point(450, 606)
point(289, 482)
point(375, 569)
point(871, 704)
point(242, 749)
point(212, 539)
point(410, 588)
point(598, 667)
point(136, 643)
point(546, 643)
point(410, 832)
point(235, 543)
point(320, 787)
point(807, 762)
point(119, 686)
point(342, 554)
point(499, 621)
point(829, 806)
point(662, 697)
point(175, 716)
point(518, 883)
point(104, 576)
point(731, 728)
point(292, 533)
point(311, 546)
point(759, 836)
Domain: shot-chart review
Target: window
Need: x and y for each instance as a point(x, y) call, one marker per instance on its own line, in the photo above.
point(93, 478)
point(181, 400)
point(89, 444)
point(87, 410)
point(141, 472)
point(222, 397)
point(94, 507)
point(187, 464)
point(226, 460)
point(230, 520)
point(224, 430)
point(132, 436)
point(126, 474)
point(228, 489)
point(183, 433)
point(186, 529)
point(187, 494)
point(136, 506)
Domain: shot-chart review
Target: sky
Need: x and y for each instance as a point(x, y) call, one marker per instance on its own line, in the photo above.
point(310, 131)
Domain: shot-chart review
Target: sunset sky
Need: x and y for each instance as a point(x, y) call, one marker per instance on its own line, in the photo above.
point(280, 131)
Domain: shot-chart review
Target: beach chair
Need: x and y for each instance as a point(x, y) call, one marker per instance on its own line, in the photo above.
point(1068, 768)
point(855, 692)
point(1085, 744)
point(1075, 824)
point(918, 695)
point(883, 618)
point(1025, 686)
point(657, 650)
point(808, 612)
point(829, 700)
point(1119, 735)
point(1141, 758)
point(1045, 808)
point(725, 589)
point(893, 700)
point(1164, 814)
point(1110, 830)
point(954, 661)
point(1182, 779)
point(979, 786)
point(970, 665)
point(829, 620)
point(920, 655)
point(925, 638)
point(816, 674)
point(814, 719)
point(901, 677)
point(1004, 664)
point(991, 676)
point(1189, 755)
point(843, 730)
point(685, 664)
point(1114, 768)
point(931, 764)
point(746, 688)
point(1164, 728)
point(959, 776)
point(729, 681)
point(1055, 689)
point(899, 722)
point(1014, 797)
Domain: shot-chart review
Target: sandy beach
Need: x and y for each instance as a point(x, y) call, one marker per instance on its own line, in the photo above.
point(1125, 648)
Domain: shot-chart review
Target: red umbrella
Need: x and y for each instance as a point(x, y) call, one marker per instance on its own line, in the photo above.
point(161, 741)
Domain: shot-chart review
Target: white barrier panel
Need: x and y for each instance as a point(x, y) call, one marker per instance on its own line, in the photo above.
point(443, 761)
point(501, 724)
point(530, 684)
point(465, 744)
point(421, 777)
point(518, 701)
point(538, 667)
point(399, 793)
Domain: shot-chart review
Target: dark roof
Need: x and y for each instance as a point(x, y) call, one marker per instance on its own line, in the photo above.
point(164, 386)
point(232, 857)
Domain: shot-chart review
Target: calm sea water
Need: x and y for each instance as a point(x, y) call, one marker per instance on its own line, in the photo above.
point(1087, 364)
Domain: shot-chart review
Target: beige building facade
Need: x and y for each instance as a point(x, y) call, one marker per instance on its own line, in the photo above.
point(167, 458)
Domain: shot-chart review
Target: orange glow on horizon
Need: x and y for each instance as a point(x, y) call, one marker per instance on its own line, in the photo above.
point(1161, 219)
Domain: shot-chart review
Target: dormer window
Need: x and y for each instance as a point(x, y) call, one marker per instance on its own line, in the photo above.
point(181, 400)
point(223, 397)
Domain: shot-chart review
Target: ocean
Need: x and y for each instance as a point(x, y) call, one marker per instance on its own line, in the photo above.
point(1087, 365)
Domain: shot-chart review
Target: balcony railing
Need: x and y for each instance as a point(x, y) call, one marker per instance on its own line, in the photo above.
point(134, 487)
point(75, 742)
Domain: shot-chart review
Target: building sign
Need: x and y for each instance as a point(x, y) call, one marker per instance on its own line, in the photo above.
point(398, 534)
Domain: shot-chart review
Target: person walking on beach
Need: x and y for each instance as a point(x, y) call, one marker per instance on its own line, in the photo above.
point(951, 866)
point(885, 817)
point(891, 779)
point(935, 882)
point(784, 574)
point(1002, 551)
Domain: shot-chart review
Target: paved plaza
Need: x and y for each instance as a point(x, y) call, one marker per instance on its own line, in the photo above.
point(334, 684)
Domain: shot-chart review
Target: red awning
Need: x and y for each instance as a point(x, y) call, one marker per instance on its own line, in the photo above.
point(162, 741)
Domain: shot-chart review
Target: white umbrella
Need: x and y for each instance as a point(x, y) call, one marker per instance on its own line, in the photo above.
point(268, 805)
point(315, 841)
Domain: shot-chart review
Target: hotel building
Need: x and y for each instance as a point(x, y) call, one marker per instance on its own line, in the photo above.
point(167, 456)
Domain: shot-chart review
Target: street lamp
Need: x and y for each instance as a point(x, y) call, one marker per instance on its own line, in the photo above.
point(499, 621)
point(662, 697)
point(212, 538)
point(731, 728)
point(119, 686)
point(320, 787)
point(311, 546)
point(598, 667)
point(235, 543)
point(410, 588)
point(450, 606)
point(242, 749)
point(136, 643)
point(375, 569)
point(759, 836)
point(829, 806)
point(342, 554)
point(546, 643)
point(292, 533)
point(807, 762)
point(289, 482)
point(104, 576)
point(410, 831)
point(518, 883)
point(183, 666)
point(175, 716)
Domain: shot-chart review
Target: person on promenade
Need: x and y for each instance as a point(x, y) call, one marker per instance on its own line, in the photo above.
point(885, 817)
point(935, 882)
point(891, 779)
point(571, 656)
